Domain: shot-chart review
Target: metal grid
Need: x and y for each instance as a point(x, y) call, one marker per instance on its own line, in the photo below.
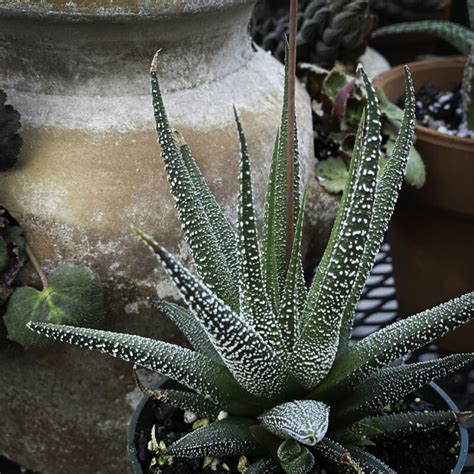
point(378, 307)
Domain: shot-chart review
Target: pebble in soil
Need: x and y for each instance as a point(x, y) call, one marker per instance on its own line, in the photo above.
point(441, 110)
point(170, 426)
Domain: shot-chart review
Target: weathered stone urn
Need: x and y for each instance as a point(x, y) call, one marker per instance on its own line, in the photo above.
point(78, 73)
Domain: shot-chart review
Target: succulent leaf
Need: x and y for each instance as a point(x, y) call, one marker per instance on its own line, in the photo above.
point(388, 187)
point(294, 293)
point(249, 358)
point(336, 458)
point(189, 326)
point(392, 384)
point(294, 458)
point(202, 239)
point(217, 219)
point(305, 421)
point(369, 463)
point(254, 304)
point(316, 349)
point(184, 400)
point(227, 437)
point(458, 36)
point(398, 424)
point(266, 464)
point(187, 367)
point(392, 342)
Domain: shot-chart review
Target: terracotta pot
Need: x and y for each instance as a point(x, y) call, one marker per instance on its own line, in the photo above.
point(432, 232)
point(142, 421)
point(90, 166)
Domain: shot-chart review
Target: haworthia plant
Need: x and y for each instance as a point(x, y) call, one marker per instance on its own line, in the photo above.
point(272, 355)
point(460, 37)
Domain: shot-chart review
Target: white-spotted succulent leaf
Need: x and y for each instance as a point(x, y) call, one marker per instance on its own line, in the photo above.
point(201, 237)
point(336, 458)
point(189, 326)
point(305, 421)
point(217, 219)
point(392, 342)
point(242, 349)
point(230, 436)
point(255, 307)
point(185, 366)
point(392, 384)
point(266, 464)
point(368, 430)
point(369, 463)
point(316, 348)
point(386, 193)
point(185, 400)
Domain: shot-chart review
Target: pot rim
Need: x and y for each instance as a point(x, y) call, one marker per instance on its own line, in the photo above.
point(121, 10)
point(137, 469)
point(397, 72)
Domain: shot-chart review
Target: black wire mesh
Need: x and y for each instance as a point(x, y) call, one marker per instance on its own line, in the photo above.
point(378, 307)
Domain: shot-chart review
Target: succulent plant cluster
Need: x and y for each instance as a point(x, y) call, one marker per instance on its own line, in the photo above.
point(328, 31)
point(338, 102)
point(270, 353)
point(460, 37)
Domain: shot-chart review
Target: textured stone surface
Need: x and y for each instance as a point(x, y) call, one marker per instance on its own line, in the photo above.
point(90, 167)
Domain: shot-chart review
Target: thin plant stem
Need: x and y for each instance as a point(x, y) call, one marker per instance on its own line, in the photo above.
point(291, 130)
point(34, 261)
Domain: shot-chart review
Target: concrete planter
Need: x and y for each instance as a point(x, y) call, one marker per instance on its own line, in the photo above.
point(78, 73)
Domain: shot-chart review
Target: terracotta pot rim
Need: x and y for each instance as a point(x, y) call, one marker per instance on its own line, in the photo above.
point(435, 64)
point(122, 10)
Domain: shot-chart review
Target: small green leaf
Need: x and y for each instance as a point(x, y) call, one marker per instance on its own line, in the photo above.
point(73, 297)
point(332, 174)
point(294, 458)
point(334, 82)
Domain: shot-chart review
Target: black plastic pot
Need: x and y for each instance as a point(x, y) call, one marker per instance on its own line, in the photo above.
point(142, 419)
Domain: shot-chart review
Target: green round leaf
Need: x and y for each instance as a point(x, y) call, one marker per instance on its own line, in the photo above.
point(73, 297)
point(332, 174)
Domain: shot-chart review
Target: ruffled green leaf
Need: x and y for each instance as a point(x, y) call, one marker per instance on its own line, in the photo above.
point(315, 351)
point(201, 237)
point(305, 421)
point(392, 384)
point(254, 304)
point(189, 326)
point(228, 437)
point(294, 458)
point(332, 173)
point(392, 342)
point(241, 348)
point(73, 296)
point(187, 367)
point(458, 36)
